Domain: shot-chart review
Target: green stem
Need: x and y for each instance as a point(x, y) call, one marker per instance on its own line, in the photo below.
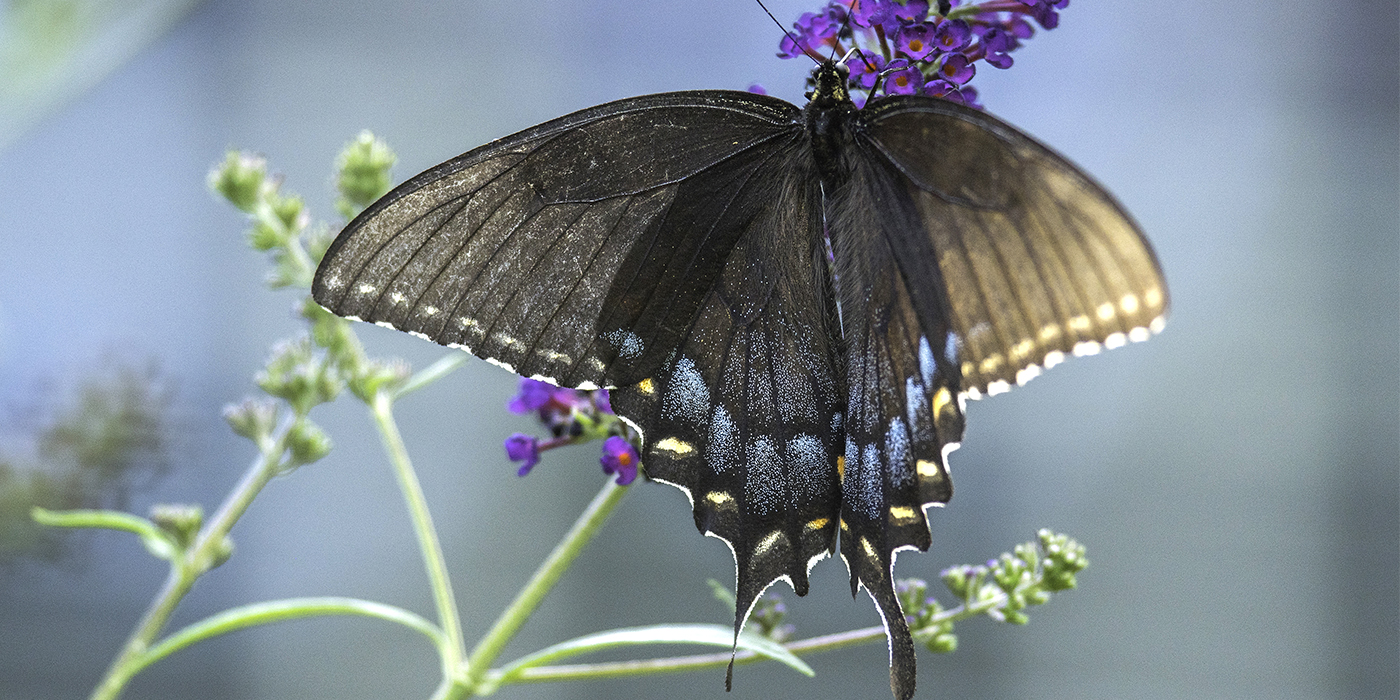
point(437, 370)
point(271, 611)
point(695, 662)
point(539, 585)
point(185, 569)
point(453, 649)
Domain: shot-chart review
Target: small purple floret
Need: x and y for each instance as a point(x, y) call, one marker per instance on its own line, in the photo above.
point(533, 396)
point(956, 69)
point(905, 80)
point(916, 40)
point(865, 66)
point(523, 448)
point(620, 458)
point(952, 35)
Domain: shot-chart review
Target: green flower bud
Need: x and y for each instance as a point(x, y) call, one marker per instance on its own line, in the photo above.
point(307, 443)
point(240, 179)
point(262, 237)
point(362, 173)
point(956, 579)
point(945, 643)
point(251, 419)
point(291, 211)
point(181, 522)
point(296, 375)
point(221, 551)
point(373, 375)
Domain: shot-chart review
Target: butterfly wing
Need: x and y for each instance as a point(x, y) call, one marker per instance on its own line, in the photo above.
point(746, 416)
point(531, 251)
point(902, 414)
point(1038, 260)
point(669, 246)
point(966, 255)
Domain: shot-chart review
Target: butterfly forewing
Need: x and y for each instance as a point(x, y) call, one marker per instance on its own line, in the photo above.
point(1038, 260)
point(510, 251)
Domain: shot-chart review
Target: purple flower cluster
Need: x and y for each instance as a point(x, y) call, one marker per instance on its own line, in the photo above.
point(908, 48)
point(571, 416)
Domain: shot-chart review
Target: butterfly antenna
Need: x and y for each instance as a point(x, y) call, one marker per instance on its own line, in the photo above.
point(806, 51)
point(854, 50)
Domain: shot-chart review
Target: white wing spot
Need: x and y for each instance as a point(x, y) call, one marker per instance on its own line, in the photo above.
point(687, 396)
point(723, 452)
point(430, 310)
point(398, 298)
point(628, 344)
point(1087, 348)
point(365, 288)
point(1115, 340)
point(1026, 374)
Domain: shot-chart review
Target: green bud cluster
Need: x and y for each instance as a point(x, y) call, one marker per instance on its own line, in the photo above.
point(362, 173)
point(1001, 589)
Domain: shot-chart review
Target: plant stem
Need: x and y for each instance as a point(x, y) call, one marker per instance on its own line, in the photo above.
point(454, 649)
point(187, 567)
point(539, 585)
point(676, 664)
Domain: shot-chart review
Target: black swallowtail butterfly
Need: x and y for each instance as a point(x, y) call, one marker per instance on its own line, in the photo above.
point(791, 304)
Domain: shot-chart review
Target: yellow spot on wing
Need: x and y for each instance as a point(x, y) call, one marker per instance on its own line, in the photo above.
point(719, 498)
point(903, 515)
point(840, 467)
point(767, 543)
point(679, 447)
point(928, 468)
point(869, 548)
point(647, 386)
point(817, 524)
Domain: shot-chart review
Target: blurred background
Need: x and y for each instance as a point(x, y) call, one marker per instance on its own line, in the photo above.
point(1235, 479)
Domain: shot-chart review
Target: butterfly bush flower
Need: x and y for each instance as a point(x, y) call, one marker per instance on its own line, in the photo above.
point(571, 416)
point(913, 47)
point(620, 458)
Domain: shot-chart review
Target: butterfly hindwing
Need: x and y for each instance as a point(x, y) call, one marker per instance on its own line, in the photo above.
point(746, 415)
point(1038, 260)
point(511, 251)
point(902, 417)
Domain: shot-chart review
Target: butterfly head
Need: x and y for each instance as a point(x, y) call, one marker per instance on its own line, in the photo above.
point(829, 80)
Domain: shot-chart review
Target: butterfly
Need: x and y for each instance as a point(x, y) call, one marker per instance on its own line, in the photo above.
point(791, 305)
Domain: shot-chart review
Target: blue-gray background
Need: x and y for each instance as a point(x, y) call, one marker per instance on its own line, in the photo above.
point(1235, 478)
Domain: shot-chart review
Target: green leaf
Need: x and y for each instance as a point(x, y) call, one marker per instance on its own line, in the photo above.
point(709, 635)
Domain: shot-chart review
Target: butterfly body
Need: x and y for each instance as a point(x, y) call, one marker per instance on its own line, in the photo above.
point(674, 248)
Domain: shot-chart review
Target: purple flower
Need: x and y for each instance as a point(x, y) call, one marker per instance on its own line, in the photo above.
point(523, 448)
point(956, 69)
point(601, 399)
point(905, 80)
point(875, 13)
point(865, 66)
point(997, 42)
point(620, 458)
point(813, 30)
point(952, 35)
point(1044, 11)
point(914, 10)
point(757, 89)
point(533, 396)
point(916, 40)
